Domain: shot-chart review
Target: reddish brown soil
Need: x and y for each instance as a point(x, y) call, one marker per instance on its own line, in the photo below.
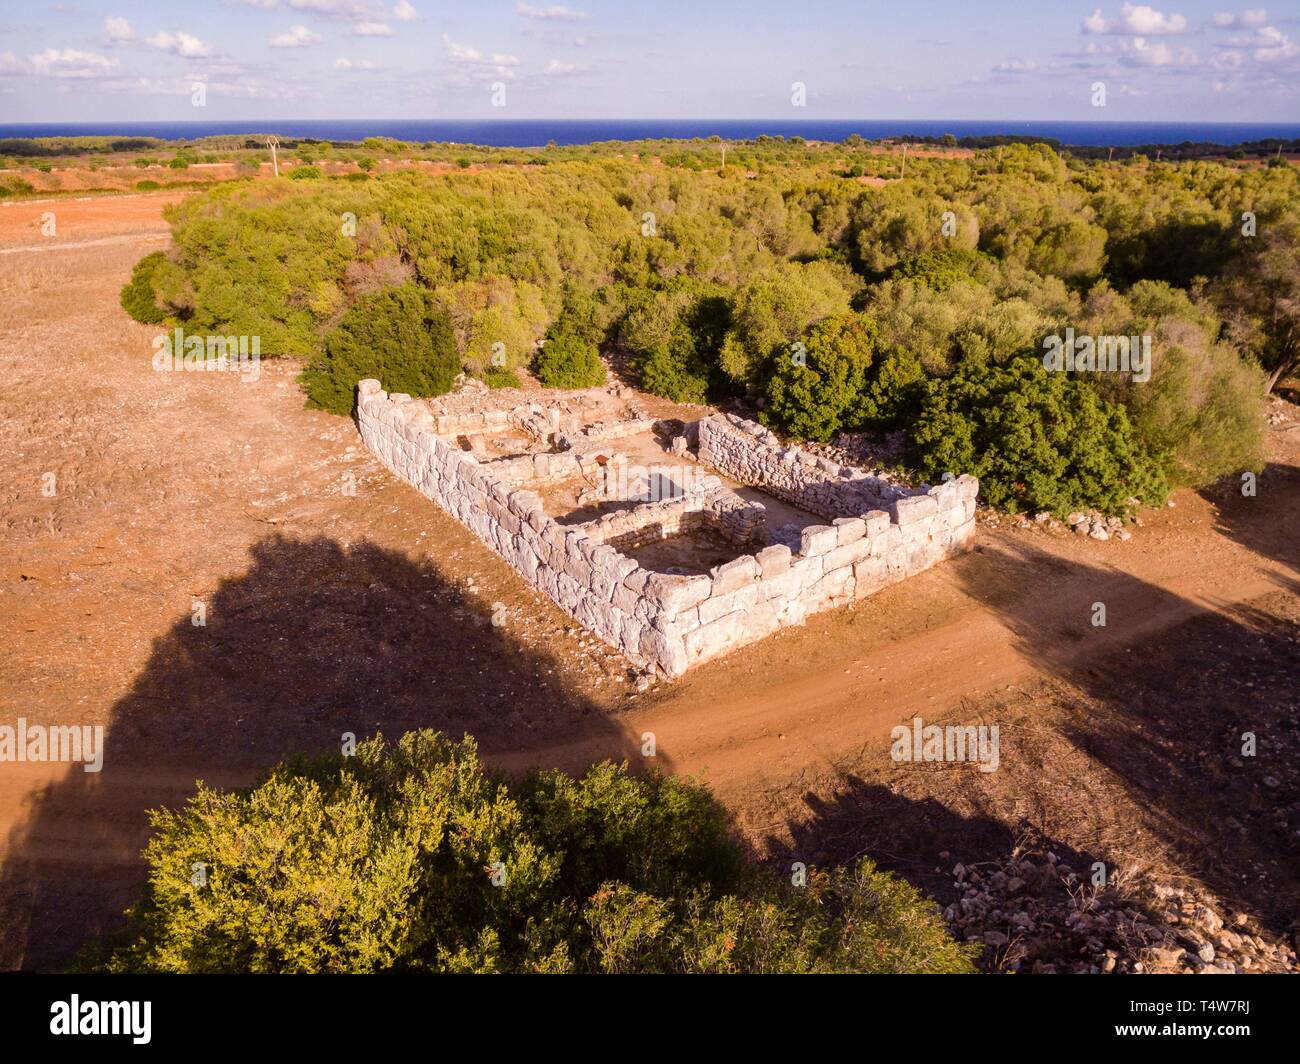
point(329, 612)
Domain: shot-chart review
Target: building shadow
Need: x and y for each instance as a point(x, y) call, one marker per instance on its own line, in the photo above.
point(314, 640)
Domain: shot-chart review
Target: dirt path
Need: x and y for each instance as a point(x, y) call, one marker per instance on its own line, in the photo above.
point(337, 599)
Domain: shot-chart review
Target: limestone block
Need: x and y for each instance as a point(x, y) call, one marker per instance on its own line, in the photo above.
point(849, 554)
point(869, 575)
point(848, 529)
point(709, 640)
point(734, 574)
point(887, 542)
point(915, 508)
point(773, 560)
point(759, 621)
point(947, 495)
point(675, 593)
point(720, 605)
point(678, 626)
point(785, 585)
point(667, 653)
point(817, 539)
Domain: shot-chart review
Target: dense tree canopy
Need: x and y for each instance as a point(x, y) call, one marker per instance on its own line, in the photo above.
point(707, 277)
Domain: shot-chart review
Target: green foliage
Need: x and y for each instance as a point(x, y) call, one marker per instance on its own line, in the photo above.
point(706, 276)
point(397, 336)
point(500, 377)
point(891, 395)
point(940, 270)
point(773, 310)
point(813, 391)
point(15, 186)
point(147, 186)
point(1203, 407)
point(1037, 440)
point(414, 857)
point(967, 322)
point(1260, 297)
point(566, 360)
point(305, 173)
point(674, 335)
point(138, 298)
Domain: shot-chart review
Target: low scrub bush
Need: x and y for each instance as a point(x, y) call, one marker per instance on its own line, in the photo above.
point(414, 857)
point(1037, 440)
point(397, 336)
point(500, 377)
point(569, 361)
point(138, 297)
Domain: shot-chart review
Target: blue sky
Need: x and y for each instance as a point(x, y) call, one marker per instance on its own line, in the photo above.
point(137, 60)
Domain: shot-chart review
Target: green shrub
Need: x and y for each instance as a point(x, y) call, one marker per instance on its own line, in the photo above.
point(568, 361)
point(1037, 440)
point(773, 310)
point(147, 185)
point(138, 296)
point(414, 857)
point(178, 163)
point(15, 186)
point(891, 395)
point(674, 336)
point(305, 173)
point(500, 377)
point(812, 392)
point(396, 336)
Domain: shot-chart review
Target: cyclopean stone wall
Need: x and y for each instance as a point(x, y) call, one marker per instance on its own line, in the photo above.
point(749, 453)
point(666, 622)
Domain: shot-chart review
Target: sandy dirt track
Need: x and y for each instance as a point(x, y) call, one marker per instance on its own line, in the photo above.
point(329, 612)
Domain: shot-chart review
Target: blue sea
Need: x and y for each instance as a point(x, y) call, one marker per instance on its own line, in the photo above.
point(537, 132)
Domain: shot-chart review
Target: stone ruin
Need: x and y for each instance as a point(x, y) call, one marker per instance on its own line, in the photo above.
point(553, 488)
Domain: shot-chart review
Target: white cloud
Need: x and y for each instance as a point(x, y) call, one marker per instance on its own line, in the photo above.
point(1016, 66)
point(297, 37)
point(71, 63)
point(344, 63)
point(404, 11)
point(1139, 19)
point(1248, 19)
point(1146, 53)
point(1271, 44)
point(178, 43)
point(372, 29)
point(558, 13)
point(117, 29)
point(352, 10)
point(557, 69)
point(475, 63)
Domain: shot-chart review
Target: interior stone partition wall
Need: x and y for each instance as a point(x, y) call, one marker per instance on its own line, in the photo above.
point(667, 622)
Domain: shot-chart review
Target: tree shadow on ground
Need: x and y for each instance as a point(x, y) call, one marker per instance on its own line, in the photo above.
point(1267, 522)
point(316, 639)
point(1170, 687)
point(1024, 925)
